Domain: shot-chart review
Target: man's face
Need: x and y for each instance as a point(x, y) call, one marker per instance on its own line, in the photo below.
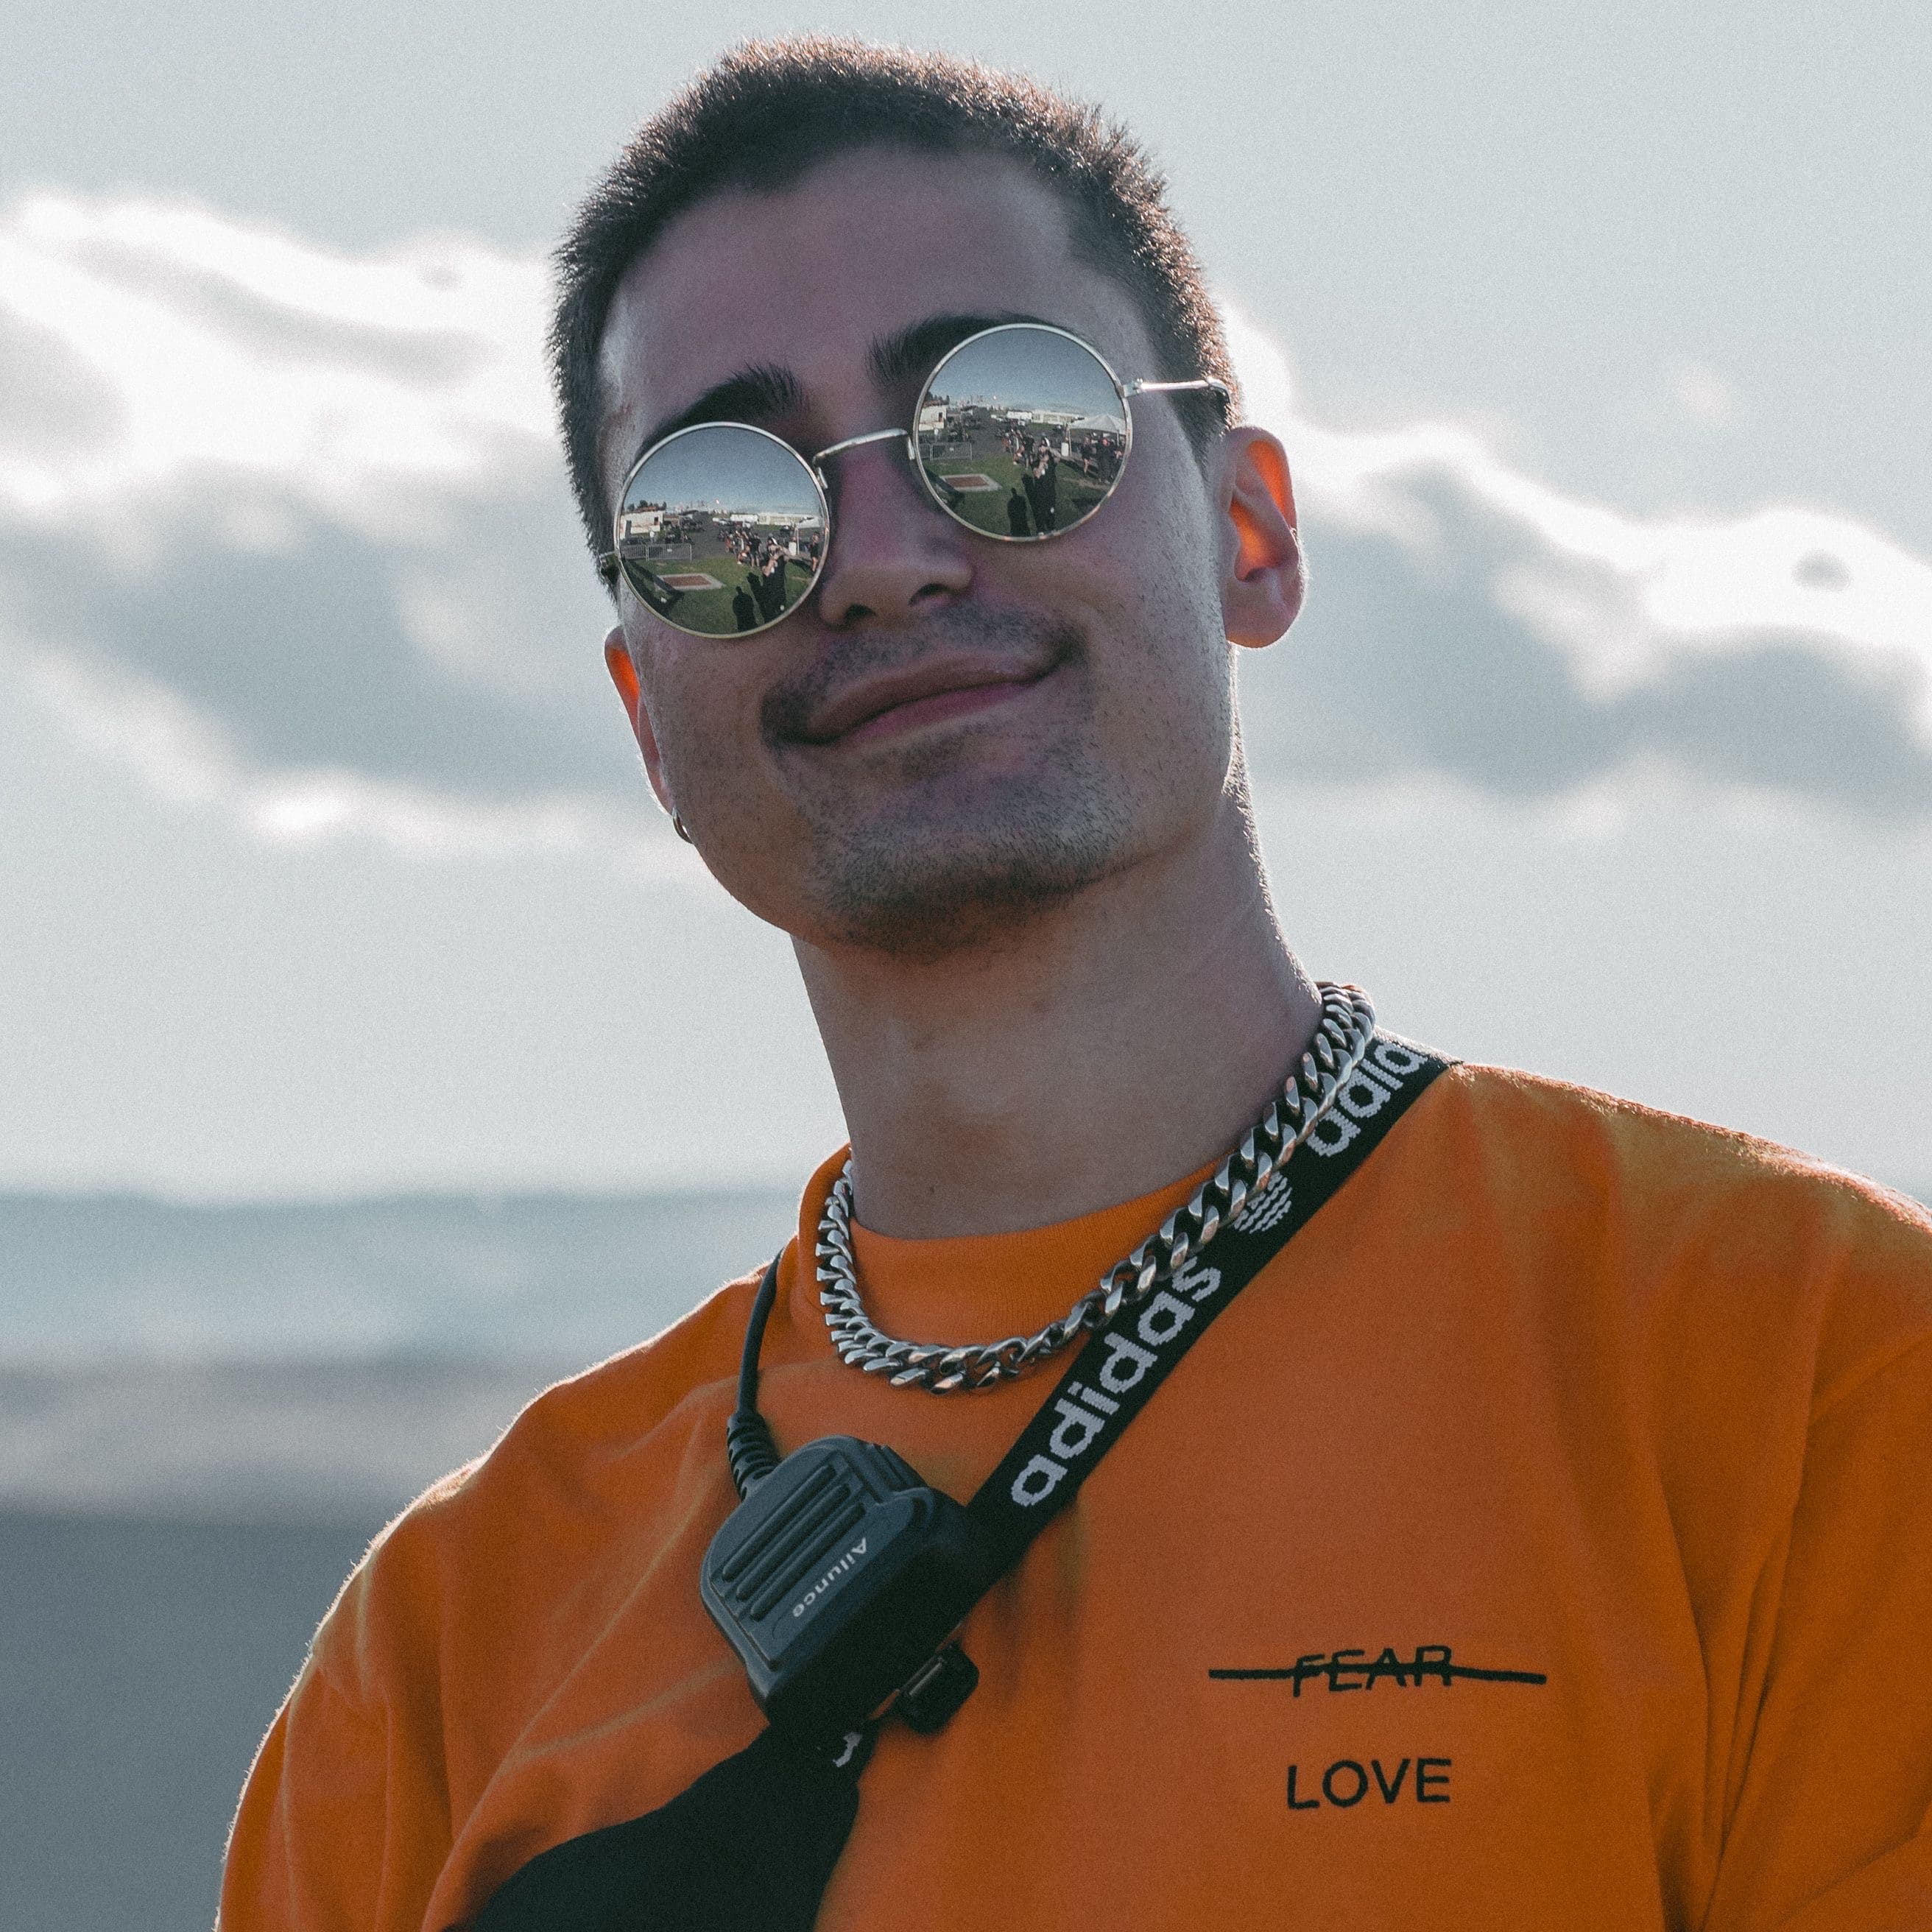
point(950, 733)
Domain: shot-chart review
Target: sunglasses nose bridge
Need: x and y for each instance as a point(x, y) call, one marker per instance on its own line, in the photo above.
point(817, 462)
point(834, 483)
point(888, 557)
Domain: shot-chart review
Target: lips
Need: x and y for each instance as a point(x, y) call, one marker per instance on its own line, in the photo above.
point(918, 692)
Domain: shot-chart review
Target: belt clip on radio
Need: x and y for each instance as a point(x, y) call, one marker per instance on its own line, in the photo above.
point(840, 1576)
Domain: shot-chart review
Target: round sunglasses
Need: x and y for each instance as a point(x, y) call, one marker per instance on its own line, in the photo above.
point(1021, 433)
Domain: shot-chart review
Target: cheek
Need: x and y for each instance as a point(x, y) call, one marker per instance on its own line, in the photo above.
point(1170, 604)
point(1175, 700)
point(704, 709)
point(1164, 539)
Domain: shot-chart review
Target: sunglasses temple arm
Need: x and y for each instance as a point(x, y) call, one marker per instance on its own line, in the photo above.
point(1162, 389)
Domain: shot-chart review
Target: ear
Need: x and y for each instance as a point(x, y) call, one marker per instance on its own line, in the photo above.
point(1262, 580)
point(623, 670)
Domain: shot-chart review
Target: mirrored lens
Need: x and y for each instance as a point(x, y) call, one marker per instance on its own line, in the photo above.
point(1022, 432)
point(722, 529)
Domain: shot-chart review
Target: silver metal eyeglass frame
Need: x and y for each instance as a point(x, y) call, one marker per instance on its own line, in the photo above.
point(610, 565)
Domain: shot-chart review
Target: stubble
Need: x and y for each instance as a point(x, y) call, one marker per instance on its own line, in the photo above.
point(936, 854)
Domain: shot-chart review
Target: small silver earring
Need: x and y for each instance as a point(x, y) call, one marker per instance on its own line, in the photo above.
point(677, 825)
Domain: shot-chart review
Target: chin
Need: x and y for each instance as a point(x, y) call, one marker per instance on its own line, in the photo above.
point(928, 883)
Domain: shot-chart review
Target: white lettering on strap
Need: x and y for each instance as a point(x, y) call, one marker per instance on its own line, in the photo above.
point(1116, 1378)
point(1333, 1132)
point(1199, 1281)
point(1073, 1435)
point(1037, 1481)
point(1163, 1319)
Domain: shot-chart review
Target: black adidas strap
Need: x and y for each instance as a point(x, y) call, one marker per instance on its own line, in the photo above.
point(753, 1843)
point(1125, 1361)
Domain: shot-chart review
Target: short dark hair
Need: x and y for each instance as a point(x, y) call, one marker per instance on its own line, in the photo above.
point(770, 110)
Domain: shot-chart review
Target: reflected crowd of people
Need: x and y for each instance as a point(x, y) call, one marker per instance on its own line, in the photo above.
point(661, 537)
point(761, 598)
point(1043, 456)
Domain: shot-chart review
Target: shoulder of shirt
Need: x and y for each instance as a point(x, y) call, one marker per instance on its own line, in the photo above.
point(564, 1449)
point(1673, 1155)
point(1856, 1255)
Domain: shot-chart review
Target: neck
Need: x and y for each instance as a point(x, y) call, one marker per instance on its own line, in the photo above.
point(1106, 1048)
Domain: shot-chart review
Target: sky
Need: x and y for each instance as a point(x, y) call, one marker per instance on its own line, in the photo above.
point(1604, 745)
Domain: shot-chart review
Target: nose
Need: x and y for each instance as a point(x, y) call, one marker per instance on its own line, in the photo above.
point(894, 553)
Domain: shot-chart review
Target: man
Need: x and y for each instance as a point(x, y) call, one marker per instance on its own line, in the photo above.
point(1037, 498)
point(771, 579)
point(1542, 1538)
point(1046, 472)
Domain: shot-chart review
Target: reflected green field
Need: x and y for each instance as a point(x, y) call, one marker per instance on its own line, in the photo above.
point(710, 610)
point(1074, 495)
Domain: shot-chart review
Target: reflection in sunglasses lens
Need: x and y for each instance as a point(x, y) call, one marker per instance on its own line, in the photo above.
point(1022, 433)
point(722, 529)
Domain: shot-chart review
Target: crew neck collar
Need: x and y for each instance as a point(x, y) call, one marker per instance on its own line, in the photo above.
point(980, 1288)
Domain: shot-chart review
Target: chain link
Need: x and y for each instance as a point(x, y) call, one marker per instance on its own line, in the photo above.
point(1341, 1042)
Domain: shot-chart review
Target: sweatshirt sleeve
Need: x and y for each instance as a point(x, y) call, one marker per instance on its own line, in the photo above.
point(1831, 1830)
point(337, 1830)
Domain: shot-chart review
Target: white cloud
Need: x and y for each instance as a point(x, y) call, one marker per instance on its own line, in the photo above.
point(363, 388)
point(1625, 596)
point(285, 530)
point(183, 756)
point(258, 423)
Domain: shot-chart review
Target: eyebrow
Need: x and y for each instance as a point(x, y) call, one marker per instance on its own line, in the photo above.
point(912, 351)
point(768, 389)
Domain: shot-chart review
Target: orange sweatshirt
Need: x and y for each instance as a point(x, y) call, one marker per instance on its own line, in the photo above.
point(1544, 1538)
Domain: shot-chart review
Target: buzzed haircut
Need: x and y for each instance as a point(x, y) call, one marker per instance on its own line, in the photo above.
point(771, 110)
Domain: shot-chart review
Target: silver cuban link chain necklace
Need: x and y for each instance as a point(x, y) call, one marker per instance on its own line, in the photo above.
point(1340, 1043)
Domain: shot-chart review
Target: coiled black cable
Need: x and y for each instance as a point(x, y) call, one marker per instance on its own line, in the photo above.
point(749, 1445)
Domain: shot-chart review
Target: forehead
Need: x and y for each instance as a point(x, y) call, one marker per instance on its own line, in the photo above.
point(808, 275)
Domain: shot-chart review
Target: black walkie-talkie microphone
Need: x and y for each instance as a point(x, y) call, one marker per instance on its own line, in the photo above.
point(840, 1576)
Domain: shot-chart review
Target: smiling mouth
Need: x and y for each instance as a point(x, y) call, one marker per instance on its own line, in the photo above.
point(937, 707)
point(872, 691)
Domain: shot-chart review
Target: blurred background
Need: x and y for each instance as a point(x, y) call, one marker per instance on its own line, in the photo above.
point(370, 1053)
